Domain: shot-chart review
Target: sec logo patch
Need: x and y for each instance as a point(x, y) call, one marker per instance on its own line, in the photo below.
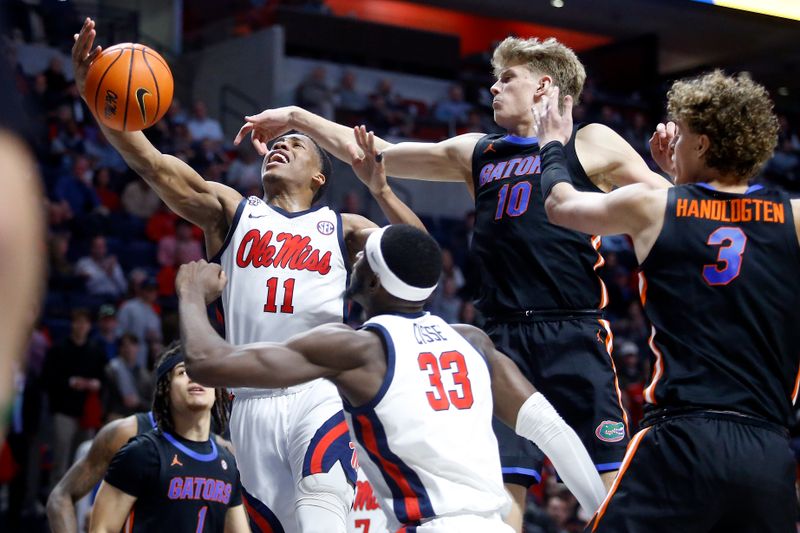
point(325, 227)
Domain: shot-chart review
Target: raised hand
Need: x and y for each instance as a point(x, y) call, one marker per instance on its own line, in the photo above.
point(82, 53)
point(550, 123)
point(200, 278)
point(264, 127)
point(366, 161)
point(662, 147)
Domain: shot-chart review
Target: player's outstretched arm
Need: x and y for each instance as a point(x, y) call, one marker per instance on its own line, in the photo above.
point(518, 405)
point(236, 520)
point(449, 160)
point(86, 473)
point(207, 204)
point(323, 352)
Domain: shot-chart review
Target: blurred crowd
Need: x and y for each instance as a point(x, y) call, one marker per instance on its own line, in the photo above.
point(114, 249)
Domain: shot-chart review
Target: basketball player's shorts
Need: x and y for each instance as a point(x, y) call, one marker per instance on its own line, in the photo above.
point(569, 361)
point(366, 515)
point(703, 472)
point(462, 523)
point(283, 438)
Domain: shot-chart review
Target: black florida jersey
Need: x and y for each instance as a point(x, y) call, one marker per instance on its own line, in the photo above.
point(721, 287)
point(179, 485)
point(525, 262)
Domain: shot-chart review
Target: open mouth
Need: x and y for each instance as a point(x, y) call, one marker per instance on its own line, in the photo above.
point(278, 157)
point(197, 390)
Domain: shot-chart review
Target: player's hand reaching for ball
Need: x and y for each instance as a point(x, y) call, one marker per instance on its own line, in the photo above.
point(366, 161)
point(264, 127)
point(662, 147)
point(551, 124)
point(83, 54)
point(202, 279)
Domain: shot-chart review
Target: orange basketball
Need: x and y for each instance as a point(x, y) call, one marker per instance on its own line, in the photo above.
point(129, 87)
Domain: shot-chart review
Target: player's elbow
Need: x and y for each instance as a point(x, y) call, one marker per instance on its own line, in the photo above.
point(204, 369)
point(198, 369)
point(56, 501)
point(554, 207)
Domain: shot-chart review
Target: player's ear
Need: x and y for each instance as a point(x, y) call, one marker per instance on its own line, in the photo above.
point(703, 144)
point(374, 283)
point(319, 179)
point(542, 85)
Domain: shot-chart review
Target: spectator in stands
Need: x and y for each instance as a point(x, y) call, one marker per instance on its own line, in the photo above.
point(453, 109)
point(39, 102)
point(183, 247)
point(244, 173)
point(348, 98)
point(56, 80)
point(314, 94)
point(74, 375)
point(75, 187)
point(75, 103)
point(177, 114)
point(611, 117)
point(66, 137)
point(138, 317)
point(107, 336)
point(469, 315)
point(446, 302)
point(129, 383)
point(109, 198)
point(638, 133)
point(385, 89)
point(140, 200)
point(203, 127)
point(207, 154)
point(98, 147)
point(61, 269)
point(351, 203)
point(104, 276)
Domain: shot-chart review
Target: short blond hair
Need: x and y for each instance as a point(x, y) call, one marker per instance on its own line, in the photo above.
point(736, 114)
point(547, 57)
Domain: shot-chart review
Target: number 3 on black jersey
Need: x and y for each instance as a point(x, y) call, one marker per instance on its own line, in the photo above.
point(732, 242)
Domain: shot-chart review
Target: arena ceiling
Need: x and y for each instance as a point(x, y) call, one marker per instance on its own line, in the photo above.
point(692, 36)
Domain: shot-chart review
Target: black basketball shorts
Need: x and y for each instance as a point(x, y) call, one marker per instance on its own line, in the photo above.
point(703, 473)
point(569, 362)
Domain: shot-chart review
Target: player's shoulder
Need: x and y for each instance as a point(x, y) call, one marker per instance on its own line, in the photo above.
point(475, 336)
point(141, 449)
point(597, 133)
point(118, 432)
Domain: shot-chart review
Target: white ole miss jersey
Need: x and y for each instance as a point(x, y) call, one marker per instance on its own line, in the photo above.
point(286, 273)
point(426, 441)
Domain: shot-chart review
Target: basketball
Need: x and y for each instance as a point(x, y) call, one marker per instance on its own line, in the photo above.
point(129, 87)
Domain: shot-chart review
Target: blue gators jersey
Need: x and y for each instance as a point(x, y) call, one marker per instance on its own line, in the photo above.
point(179, 485)
point(525, 262)
point(722, 291)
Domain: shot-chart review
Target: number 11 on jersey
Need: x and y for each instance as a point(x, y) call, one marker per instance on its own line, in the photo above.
point(272, 294)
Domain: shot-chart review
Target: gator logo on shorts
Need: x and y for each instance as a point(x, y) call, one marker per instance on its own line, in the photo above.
point(610, 431)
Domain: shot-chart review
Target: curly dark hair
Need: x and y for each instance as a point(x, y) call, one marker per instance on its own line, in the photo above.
point(162, 412)
point(736, 114)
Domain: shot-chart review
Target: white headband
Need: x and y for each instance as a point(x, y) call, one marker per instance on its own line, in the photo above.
point(393, 285)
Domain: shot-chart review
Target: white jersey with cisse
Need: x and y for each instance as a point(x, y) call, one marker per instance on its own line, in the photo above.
point(426, 441)
point(286, 274)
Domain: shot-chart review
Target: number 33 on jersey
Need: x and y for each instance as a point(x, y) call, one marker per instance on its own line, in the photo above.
point(284, 264)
